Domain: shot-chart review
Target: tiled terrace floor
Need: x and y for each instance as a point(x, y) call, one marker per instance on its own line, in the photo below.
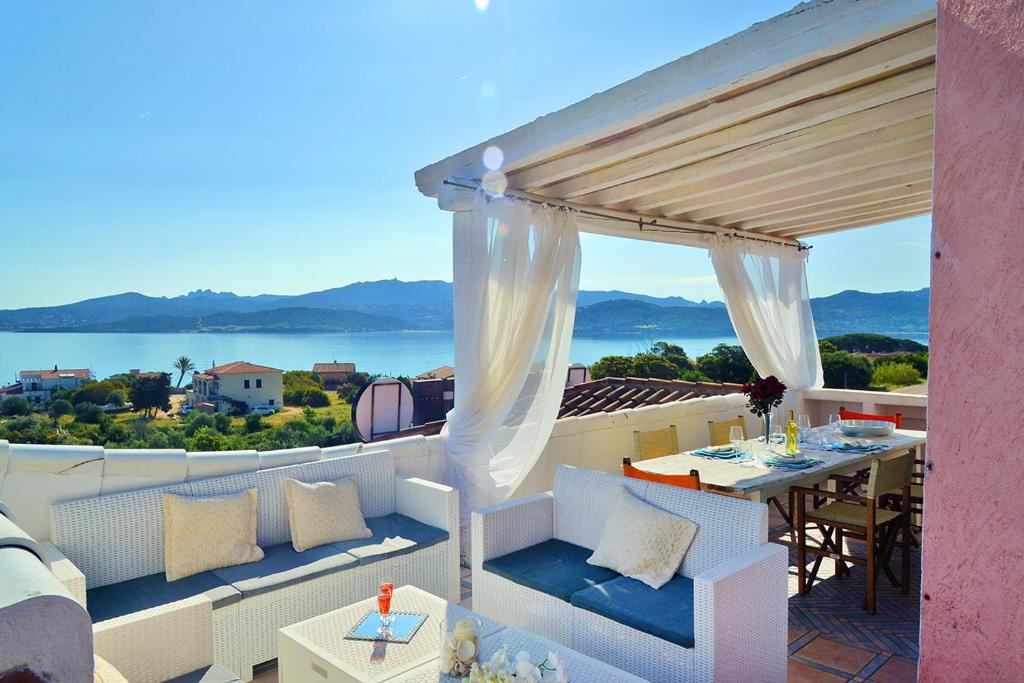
point(831, 637)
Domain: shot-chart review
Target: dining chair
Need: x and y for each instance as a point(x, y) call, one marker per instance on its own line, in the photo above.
point(916, 509)
point(862, 517)
point(718, 430)
point(655, 443)
point(896, 419)
point(686, 481)
point(718, 434)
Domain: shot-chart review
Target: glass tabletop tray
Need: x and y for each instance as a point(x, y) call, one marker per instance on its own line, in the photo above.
point(401, 627)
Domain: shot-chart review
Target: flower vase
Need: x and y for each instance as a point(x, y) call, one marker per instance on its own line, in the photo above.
point(767, 417)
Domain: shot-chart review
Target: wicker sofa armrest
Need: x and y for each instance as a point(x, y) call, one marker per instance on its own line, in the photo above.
point(160, 643)
point(437, 505)
point(741, 616)
point(428, 502)
point(511, 526)
point(65, 571)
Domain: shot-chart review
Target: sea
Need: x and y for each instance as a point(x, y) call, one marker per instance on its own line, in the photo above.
point(386, 353)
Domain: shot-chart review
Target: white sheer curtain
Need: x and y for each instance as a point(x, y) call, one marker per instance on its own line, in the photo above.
point(765, 288)
point(516, 268)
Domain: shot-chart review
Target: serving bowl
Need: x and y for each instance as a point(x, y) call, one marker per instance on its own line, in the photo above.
point(866, 427)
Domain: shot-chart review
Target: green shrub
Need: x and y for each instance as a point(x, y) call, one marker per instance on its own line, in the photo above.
point(88, 413)
point(253, 423)
point(843, 370)
point(60, 407)
point(196, 421)
point(315, 398)
point(918, 360)
point(206, 439)
point(895, 374)
point(726, 363)
point(222, 422)
point(651, 365)
point(612, 366)
point(15, 405)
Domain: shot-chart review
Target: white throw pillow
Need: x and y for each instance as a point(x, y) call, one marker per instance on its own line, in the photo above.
point(209, 533)
point(324, 512)
point(642, 542)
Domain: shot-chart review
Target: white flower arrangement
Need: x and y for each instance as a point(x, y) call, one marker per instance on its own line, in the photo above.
point(499, 669)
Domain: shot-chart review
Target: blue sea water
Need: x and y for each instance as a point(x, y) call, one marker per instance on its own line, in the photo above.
point(390, 353)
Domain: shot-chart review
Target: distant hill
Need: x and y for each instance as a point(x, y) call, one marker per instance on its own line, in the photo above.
point(427, 305)
point(891, 313)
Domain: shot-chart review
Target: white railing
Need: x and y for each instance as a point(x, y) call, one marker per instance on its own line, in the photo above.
point(820, 403)
point(33, 477)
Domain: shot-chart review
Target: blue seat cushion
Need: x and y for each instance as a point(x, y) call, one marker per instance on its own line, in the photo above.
point(281, 566)
point(393, 535)
point(127, 597)
point(666, 613)
point(213, 674)
point(553, 567)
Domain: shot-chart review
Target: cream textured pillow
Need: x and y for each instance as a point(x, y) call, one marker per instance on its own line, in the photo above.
point(324, 512)
point(209, 533)
point(642, 542)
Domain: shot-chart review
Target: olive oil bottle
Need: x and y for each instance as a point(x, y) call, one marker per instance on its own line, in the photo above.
point(791, 435)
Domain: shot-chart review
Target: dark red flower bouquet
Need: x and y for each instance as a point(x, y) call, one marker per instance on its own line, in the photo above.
point(764, 394)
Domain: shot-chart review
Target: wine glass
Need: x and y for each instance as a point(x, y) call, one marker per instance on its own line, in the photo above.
point(778, 437)
point(736, 437)
point(803, 423)
point(384, 607)
point(387, 585)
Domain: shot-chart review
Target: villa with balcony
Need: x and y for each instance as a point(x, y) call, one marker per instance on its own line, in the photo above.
point(633, 538)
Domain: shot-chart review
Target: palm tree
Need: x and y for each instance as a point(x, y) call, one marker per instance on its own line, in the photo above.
point(183, 364)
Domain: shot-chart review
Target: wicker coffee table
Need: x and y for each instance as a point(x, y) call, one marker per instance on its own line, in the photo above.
point(317, 650)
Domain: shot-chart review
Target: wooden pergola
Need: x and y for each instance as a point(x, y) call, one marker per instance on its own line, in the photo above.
point(818, 120)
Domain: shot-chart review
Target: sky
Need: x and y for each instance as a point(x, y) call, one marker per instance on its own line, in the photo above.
point(257, 147)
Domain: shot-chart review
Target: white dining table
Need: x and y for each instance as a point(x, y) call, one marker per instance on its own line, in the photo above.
point(759, 482)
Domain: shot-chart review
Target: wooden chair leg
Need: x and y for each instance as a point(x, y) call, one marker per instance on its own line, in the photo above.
point(870, 566)
point(840, 566)
point(801, 546)
point(905, 567)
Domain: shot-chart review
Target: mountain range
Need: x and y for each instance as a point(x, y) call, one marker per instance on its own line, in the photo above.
point(427, 305)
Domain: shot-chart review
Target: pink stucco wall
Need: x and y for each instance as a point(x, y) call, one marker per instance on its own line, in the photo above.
point(973, 609)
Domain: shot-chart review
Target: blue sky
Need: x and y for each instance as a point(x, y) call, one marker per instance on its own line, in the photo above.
point(269, 147)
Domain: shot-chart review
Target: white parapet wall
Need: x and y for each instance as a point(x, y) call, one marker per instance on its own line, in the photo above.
point(820, 403)
point(34, 477)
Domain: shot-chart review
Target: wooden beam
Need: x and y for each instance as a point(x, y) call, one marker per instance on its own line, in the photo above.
point(818, 94)
point(862, 216)
point(864, 222)
point(838, 134)
point(847, 201)
point(874, 147)
point(810, 33)
point(731, 209)
point(613, 221)
point(855, 212)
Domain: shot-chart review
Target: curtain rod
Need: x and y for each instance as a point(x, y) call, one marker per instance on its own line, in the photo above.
point(626, 217)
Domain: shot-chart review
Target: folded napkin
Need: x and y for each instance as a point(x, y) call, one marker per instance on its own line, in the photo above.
point(720, 452)
point(790, 464)
point(843, 447)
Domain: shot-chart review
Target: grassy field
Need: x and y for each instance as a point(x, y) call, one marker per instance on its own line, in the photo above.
point(339, 409)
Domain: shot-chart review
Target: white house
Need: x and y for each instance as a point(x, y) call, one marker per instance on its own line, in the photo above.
point(37, 385)
point(255, 385)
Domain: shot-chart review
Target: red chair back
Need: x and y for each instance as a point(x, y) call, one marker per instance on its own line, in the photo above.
point(896, 419)
point(686, 481)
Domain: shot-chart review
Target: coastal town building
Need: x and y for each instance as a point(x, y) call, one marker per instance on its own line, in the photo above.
point(225, 386)
point(333, 374)
point(38, 385)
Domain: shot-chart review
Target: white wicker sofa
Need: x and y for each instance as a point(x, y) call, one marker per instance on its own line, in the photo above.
point(144, 624)
point(723, 618)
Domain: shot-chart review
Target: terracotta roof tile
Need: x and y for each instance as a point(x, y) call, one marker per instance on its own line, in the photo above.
point(239, 367)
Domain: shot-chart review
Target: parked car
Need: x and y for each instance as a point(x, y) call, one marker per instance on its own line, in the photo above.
point(264, 410)
point(185, 410)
